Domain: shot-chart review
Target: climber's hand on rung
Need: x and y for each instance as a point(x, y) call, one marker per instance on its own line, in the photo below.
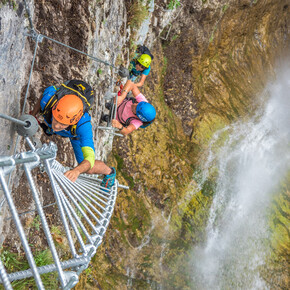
point(72, 175)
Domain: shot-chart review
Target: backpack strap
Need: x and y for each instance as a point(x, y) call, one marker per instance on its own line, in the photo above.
point(73, 128)
point(146, 124)
point(46, 113)
point(82, 97)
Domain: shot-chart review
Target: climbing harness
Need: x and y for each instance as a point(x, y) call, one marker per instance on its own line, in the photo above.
point(139, 114)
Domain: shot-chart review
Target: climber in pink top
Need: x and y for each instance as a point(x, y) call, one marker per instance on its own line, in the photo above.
point(133, 113)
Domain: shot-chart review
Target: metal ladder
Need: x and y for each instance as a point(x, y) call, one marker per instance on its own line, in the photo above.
point(85, 209)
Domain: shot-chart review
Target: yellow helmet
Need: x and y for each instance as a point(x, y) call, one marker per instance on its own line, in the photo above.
point(144, 60)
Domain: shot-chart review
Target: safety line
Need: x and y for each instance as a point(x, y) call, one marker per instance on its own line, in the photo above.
point(30, 211)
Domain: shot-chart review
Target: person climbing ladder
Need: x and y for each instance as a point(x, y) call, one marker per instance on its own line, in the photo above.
point(140, 67)
point(132, 113)
point(65, 112)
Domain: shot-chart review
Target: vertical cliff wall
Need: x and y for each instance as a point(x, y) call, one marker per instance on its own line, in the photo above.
point(218, 57)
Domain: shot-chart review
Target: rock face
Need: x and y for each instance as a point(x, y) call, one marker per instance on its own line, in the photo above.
point(207, 73)
point(218, 56)
point(12, 76)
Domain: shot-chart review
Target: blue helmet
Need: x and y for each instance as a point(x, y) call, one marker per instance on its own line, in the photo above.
point(145, 112)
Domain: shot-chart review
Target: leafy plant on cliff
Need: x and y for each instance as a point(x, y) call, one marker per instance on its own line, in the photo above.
point(173, 4)
point(138, 12)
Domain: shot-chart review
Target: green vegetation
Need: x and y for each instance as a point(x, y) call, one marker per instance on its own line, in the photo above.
point(173, 4)
point(212, 34)
point(137, 14)
point(14, 5)
point(120, 168)
point(174, 37)
point(119, 59)
point(165, 61)
point(10, 2)
point(276, 271)
point(225, 7)
point(14, 262)
point(36, 223)
point(132, 48)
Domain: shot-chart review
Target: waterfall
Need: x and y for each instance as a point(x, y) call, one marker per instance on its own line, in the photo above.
point(250, 166)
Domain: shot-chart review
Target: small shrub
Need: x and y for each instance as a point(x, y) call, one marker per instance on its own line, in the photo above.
point(225, 7)
point(137, 14)
point(173, 4)
point(99, 72)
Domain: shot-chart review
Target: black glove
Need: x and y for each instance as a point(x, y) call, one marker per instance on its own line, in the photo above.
point(123, 72)
point(47, 131)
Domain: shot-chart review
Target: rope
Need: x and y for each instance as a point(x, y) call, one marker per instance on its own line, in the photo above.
point(30, 211)
point(90, 56)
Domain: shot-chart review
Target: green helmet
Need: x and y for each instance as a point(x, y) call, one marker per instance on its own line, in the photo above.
point(145, 60)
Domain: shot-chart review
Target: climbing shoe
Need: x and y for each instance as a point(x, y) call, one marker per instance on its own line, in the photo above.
point(109, 180)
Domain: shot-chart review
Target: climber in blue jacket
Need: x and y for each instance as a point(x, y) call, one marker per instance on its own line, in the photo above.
point(65, 115)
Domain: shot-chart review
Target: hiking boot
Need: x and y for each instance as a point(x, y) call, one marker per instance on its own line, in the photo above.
point(109, 180)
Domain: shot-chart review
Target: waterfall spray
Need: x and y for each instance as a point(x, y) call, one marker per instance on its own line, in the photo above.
point(251, 164)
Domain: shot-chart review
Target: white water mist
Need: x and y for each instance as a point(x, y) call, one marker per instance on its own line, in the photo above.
point(250, 165)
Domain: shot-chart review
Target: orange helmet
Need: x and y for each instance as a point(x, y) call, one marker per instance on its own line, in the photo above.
point(68, 110)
